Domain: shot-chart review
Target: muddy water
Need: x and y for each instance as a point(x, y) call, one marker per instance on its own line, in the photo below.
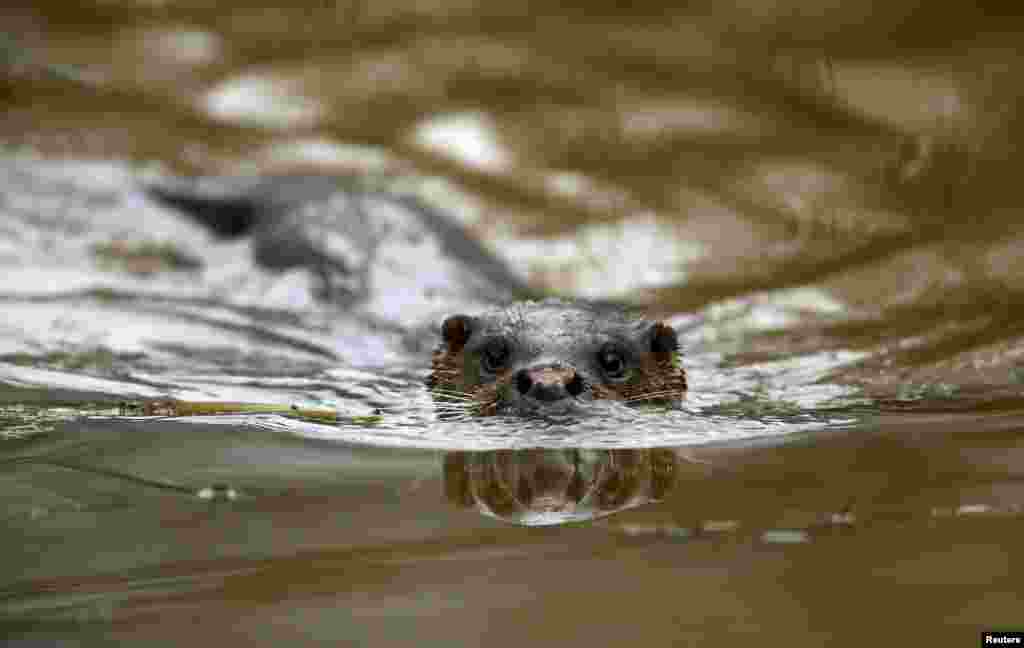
point(684, 159)
point(773, 501)
point(267, 530)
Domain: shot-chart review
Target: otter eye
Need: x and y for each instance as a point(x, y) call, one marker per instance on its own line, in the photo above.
point(611, 361)
point(494, 356)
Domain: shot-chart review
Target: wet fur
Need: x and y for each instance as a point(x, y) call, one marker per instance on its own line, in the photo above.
point(660, 376)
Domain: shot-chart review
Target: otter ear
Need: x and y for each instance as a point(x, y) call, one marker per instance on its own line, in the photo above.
point(664, 471)
point(663, 338)
point(457, 480)
point(455, 331)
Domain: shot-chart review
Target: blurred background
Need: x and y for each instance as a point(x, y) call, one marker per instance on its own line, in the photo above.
point(854, 163)
point(677, 155)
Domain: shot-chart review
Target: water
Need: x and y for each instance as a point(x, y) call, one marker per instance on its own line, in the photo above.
point(816, 486)
point(774, 500)
point(173, 530)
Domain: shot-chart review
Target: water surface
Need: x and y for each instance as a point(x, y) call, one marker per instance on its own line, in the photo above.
point(824, 204)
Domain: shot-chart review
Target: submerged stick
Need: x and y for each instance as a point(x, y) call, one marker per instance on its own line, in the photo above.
point(216, 408)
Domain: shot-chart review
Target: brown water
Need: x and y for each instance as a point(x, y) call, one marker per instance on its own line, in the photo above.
point(823, 203)
point(908, 525)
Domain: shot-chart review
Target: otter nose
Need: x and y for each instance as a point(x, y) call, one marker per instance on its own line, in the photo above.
point(548, 384)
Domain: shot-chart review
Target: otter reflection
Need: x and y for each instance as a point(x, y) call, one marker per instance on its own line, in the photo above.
point(540, 487)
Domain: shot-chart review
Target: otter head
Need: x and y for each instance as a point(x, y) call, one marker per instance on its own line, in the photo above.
point(539, 486)
point(553, 357)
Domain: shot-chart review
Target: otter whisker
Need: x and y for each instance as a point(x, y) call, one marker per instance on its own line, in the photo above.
point(554, 355)
point(453, 397)
point(650, 397)
point(667, 393)
point(455, 402)
point(457, 408)
point(451, 394)
point(653, 394)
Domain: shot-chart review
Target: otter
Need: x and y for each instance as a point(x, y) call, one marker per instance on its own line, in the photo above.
point(539, 486)
point(553, 357)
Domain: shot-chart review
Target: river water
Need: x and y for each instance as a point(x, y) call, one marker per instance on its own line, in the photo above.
point(773, 500)
point(202, 441)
